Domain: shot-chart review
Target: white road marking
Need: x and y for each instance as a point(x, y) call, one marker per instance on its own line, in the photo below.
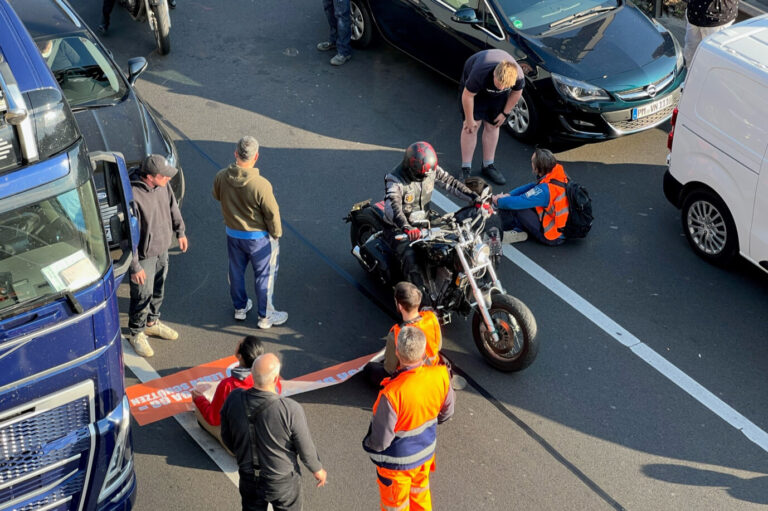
point(145, 372)
point(639, 348)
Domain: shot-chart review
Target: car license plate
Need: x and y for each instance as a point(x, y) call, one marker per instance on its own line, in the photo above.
point(652, 108)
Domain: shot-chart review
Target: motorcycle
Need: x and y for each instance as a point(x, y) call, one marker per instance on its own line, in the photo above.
point(158, 14)
point(459, 277)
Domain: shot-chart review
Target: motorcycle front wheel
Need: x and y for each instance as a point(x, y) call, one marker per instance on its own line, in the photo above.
point(162, 27)
point(517, 346)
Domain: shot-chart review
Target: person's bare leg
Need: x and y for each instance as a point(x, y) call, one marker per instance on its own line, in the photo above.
point(490, 141)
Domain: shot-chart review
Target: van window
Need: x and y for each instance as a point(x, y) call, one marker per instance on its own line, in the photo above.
point(736, 108)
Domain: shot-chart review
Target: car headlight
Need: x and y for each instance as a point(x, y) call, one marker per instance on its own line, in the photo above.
point(578, 90)
point(121, 464)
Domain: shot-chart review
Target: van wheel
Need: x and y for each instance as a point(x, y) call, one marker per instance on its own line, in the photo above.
point(709, 227)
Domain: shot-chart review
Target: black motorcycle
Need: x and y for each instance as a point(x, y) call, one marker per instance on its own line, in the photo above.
point(158, 14)
point(459, 277)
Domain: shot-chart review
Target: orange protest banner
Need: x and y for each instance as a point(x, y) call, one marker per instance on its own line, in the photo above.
point(167, 396)
point(164, 397)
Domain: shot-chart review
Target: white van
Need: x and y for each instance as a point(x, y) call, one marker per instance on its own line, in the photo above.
point(717, 166)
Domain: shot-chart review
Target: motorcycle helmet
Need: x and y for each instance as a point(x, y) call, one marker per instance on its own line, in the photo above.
point(420, 159)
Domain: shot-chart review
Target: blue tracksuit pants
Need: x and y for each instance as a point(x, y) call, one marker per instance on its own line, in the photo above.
point(263, 254)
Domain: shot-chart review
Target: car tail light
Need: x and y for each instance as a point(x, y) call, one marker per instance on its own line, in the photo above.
point(671, 135)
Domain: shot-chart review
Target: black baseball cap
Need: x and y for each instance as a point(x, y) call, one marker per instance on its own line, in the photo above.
point(155, 164)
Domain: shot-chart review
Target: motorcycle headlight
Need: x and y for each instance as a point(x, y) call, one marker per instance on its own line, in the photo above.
point(481, 253)
point(578, 90)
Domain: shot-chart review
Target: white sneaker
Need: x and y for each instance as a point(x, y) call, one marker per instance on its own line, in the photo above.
point(141, 345)
point(241, 313)
point(514, 236)
point(274, 318)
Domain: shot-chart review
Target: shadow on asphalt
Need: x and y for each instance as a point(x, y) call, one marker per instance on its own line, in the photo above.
point(754, 489)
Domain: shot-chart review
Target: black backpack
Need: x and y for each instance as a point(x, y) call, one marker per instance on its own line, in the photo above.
point(579, 209)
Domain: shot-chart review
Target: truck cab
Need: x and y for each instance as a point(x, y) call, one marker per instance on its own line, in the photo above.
point(67, 235)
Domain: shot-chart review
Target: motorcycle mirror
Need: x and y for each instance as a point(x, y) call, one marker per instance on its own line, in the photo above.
point(136, 66)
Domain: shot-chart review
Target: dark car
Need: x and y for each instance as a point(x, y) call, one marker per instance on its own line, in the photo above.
point(594, 69)
point(108, 111)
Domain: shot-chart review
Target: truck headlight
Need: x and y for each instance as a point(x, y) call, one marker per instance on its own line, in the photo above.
point(121, 464)
point(578, 90)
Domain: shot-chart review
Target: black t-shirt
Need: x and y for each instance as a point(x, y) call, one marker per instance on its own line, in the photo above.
point(477, 77)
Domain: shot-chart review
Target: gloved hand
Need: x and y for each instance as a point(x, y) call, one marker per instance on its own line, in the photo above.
point(413, 234)
point(487, 209)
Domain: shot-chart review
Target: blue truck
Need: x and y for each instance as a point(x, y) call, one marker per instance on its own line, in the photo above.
point(67, 233)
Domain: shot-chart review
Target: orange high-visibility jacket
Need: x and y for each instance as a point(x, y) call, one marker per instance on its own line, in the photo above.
point(554, 216)
point(428, 324)
point(416, 396)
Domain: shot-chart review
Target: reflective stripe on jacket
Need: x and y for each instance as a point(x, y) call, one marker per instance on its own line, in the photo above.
point(555, 215)
point(428, 324)
point(416, 396)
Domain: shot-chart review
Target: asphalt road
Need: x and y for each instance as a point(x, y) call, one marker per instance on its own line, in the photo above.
point(588, 426)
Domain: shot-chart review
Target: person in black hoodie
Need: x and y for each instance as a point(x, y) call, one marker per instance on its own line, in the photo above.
point(159, 219)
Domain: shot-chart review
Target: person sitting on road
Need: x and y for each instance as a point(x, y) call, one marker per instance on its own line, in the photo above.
point(539, 208)
point(407, 301)
point(208, 413)
point(408, 191)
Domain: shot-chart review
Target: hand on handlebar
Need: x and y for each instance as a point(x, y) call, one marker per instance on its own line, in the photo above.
point(413, 234)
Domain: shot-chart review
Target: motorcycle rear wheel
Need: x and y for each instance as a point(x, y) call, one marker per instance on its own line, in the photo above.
point(162, 27)
point(517, 346)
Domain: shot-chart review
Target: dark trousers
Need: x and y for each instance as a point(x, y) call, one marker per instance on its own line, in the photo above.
point(147, 298)
point(337, 12)
point(106, 10)
point(284, 495)
point(526, 220)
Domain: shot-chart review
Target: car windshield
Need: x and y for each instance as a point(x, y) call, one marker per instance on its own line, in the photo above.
point(537, 17)
point(52, 246)
point(85, 74)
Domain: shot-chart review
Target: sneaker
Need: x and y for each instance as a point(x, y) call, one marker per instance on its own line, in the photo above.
point(494, 174)
point(241, 313)
point(465, 173)
point(172, 4)
point(274, 318)
point(340, 59)
point(103, 28)
point(514, 236)
point(161, 330)
point(141, 345)
point(458, 382)
point(326, 46)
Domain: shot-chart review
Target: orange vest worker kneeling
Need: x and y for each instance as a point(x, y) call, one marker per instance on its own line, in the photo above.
point(407, 301)
point(403, 433)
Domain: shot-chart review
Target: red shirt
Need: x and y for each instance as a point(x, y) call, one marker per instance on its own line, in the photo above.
point(211, 411)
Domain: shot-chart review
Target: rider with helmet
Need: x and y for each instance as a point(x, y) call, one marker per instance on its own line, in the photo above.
point(408, 192)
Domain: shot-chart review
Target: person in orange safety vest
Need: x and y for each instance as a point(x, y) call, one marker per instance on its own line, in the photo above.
point(407, 301)
point(540, 208)
point(402, 437)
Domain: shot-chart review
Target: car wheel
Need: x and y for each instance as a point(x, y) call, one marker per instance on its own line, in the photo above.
point(362, 24)
point(524, 120)
point(709, 227)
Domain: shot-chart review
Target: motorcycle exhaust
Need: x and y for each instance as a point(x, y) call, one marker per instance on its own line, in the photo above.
point(366, 265)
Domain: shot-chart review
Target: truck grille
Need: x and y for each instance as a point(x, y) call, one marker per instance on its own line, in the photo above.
point(45, 452)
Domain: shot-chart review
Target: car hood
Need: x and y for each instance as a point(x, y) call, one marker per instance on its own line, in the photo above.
point(126, 128)
point(620, 50)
